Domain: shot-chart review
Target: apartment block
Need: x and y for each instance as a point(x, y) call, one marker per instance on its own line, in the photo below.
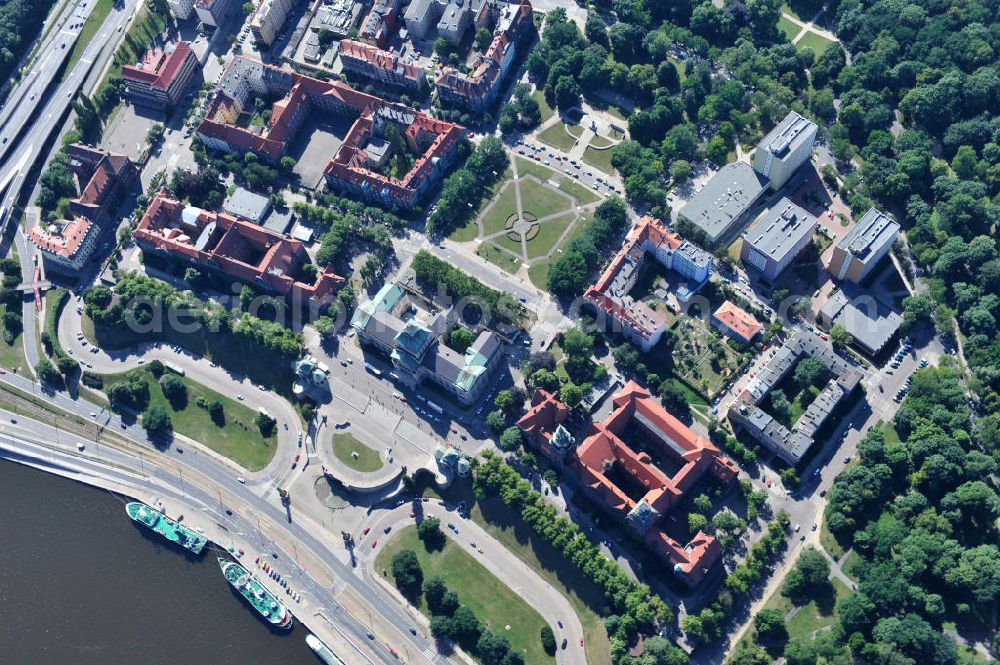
point(182, 9)
point(786, 147)
point(212, 13)
point(609, 296)
point(773, 241)
point(383, 67)
point(268, 19)
point(162, 77)
point(857, 253)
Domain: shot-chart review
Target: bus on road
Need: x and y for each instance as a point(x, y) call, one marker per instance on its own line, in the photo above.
point(434, 407)
point(374, 370)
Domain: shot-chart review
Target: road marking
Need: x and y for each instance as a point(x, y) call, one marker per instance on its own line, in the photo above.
point(431, 654)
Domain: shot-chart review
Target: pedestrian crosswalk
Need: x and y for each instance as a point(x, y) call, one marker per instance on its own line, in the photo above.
point(431, 654)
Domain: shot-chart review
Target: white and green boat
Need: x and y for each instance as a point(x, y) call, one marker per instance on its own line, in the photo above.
point(256, 594)
point(324, 652)
point(173, 531)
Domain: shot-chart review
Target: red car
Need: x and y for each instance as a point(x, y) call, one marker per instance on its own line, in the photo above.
point(374, 543)
point(581, 641)
point(296, 458)
point(367, 529)
point(768, 482)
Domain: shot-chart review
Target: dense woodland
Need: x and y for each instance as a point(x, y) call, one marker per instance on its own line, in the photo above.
point(20, 21)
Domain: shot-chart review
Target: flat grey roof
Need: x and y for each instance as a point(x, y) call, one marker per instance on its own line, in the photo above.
point(780, 229)
point(452, 17)
point(869, 320)
point(724, 198)
point(872, 230)
point(244, 203)
point(786, 135)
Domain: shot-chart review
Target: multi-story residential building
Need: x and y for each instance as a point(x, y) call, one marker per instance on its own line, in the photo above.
point(421, 17)
point(234, 248)
point(268, 19)
point(719, 209)
point(434, 142)
point(636, 320)
point(735, 322)
point(162, 77)
point(413, 344)
point(857, 253)
point(478, 90)
point(182, 9)
point(380, 23)
point(455, 21)
point(773, 241)
point(638, 464)
point(212, 13)
point(384, 67)
point(786, 147)
point(791, 445)
point(67, 248)
point(103, 176)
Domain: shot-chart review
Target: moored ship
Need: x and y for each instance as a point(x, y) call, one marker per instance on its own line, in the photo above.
point(324, 652)
point(170, 529)
point(256, 594)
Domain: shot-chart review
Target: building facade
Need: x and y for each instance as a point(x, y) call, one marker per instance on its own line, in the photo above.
point(786, 147)
point(384, 67)
point(736, 323)
point(268, 19)
point(857, 253)
point(212, 13)
point(162, 77)
point(773, 241)
point(182, 9)
point(68, 248)
point(478, 90)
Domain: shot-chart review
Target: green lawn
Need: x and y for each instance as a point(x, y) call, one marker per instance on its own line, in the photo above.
point(345, 443)
point(599, 141)
point(790, 29)
point(543, 106)
point(504, 206)
point(477, 588)
point(575, 130)
point(531, 167)
point(850, 565)
point(539, 200)
point(499, 258)
point(90, 27)
point(512, 245)
point(829, 542)
point(599, 159)
point(238, 438)
point(557, 137)
point(471, 229)
point(815, 615)
point(11, 355)
point(548, 235)
point(815, 41)
point(582, 195)
point(538, 273)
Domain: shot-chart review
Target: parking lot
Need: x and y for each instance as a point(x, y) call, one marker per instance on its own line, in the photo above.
point(561, 162)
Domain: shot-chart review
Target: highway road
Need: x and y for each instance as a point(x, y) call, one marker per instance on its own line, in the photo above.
point(40, 115)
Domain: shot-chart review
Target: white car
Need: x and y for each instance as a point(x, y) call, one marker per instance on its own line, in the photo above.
point(241, 480)
point(240, 397)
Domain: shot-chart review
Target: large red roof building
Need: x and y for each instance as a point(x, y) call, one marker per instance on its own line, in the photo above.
point(351, 168)
point(162, 77)
point(103, 179)
point(639, 463)
point(234, 247)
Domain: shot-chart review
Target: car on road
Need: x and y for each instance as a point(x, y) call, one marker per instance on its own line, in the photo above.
point(798, 527)
point(241, 480)
point(387, 529)
point(374, 543)
point(366, 530)
point(564, 643)
point(80, 447)
point(240, 397)
point(813, 527)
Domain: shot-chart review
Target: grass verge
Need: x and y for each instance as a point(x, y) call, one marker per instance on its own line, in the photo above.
point(345, 443)
point(90, 27)
point(490, 599)
point(237, 438)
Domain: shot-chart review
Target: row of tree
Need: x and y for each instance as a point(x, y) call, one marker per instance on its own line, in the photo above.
point(464, 190)
point(636, 607)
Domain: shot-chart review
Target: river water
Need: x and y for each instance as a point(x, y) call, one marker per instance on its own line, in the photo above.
point(81, 584)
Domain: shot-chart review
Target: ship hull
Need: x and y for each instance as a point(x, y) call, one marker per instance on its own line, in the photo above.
point(254, 593)
point(165, 527)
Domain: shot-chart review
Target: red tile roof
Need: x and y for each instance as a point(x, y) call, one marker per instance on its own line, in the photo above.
point(378, 59)
point(546, 413)
point(739, 321)
point(237, 247)
point(67, 242)
point(158, 68)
